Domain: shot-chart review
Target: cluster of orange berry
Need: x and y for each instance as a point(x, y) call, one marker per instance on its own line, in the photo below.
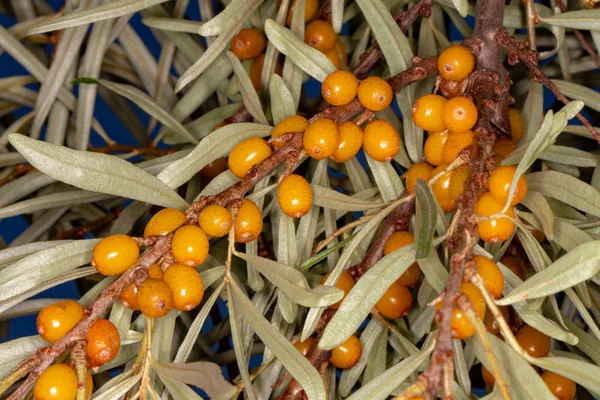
point(250, 44)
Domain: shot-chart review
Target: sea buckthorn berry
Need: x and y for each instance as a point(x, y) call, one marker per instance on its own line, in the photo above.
point(333, 55)
point(345, 282)
point(248, 43)
point(187, 286)
point(310, 9)
point(304, 347)
point(215, 221)
point(103, 342)
point(339, 45)
point(450, 89)
point(256, 70)
point(455, 143)
point(128, 297)
point(294, 123)
point(351, 140)
point(492, 324)
point(294, 196)
point(456, 63)
point(55, 320)
point(57, 382)
point(214, 168)
point(375, 93)
point(427, 113)
point(190, 245)
point(115, 254)
point(155, 297)
point(434, 147)
point(460, 324)
point(458, 180)
point(346, 355)
point(563, 388)
point(500, 181)
point(459, 114)
point(381, 141)
point(247, 154)
point(497, 229)
point(320, 35)
point(502, 149)
point(164, 221)
point(419, 170)
point(534, 342)
point(516, 265)
point(339, 88)
point(491, 275)
point(321, 139)
point(248, 222)
point(441, 188)
point(399, 239)
point(487, 376)
point(395, 302)
point(517, 126)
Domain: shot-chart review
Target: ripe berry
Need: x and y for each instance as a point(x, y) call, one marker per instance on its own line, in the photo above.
point(248, 43)
point(155, 298)
point(128, 296)
point(339, 45)
point(441, 188)
point(190, 245)
point(55, 320)
point(381, 141)
point(460, 324)
point(399, 239)
point(340, 87)
point(487, 376)
point(214, 168)
point(321, 139)
point(294, 123)
point(502, 148)
point(434, 147)
point(115, 254)
point(427, 113)
point(533, 341)
point(256, 70)
point(459, 114)
point(375, 93)
point(458, 180)
point(516, 265)
point(499, 185)
point(247, 154)
point(164, 221)
point(395, 302)
point(563, 388)
point(215, 221)
point(304, 347)
point(419, 170)
point(333, 55)
point(248, 222)
point(57, 382)
point(497, 229)
point(456, 63)
point(187, 286)
point(346, 355)
point(455, 143)
point(491, 275)
point(320, 35)
point(103, 342)
point(351, 140)
point(492, 324)
point(517, 126)
point(345, 282)
point(294, 196)
point(310, 9)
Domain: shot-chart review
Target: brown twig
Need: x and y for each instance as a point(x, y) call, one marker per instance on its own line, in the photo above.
point(81, 230)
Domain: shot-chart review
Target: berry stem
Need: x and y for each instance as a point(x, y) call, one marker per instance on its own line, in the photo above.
point(78, 357)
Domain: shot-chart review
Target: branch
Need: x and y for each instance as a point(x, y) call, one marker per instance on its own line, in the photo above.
point(580, 37)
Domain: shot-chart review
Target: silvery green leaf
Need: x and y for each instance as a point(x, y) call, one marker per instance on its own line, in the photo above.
point(251, 100)
point(460, 366)
point(590, 97)
point(434, 271)
point(332, 199)
point(533, 110)
point(69, 198)
point(93, 171)
point(177, 389)
point(582, 19)
point(542, 324)
point(15, 253)
point(568, 236)
point(307, 227)
point(337, 14)
point(584, 373)
point(127, 218)
point(387, 179)
point(462, 6)
point(540, 207)
point(172, 24)
point(569, 156)
point(119, 389)
point(282, 102)
point(586, 342)
point(377, 360)
point(14, 351)
point(426, 214)
point(323, 254)
point(204, 125)
point(235, 11)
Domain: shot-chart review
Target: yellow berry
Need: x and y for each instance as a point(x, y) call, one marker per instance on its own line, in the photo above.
point(375, 93)
point(456, 63)
point(459, 114)
point(517, 126)
point(395, 302)
point(155, 297)
point(399, 239)
point(248, 43)
point(458, 181)
point(441, 188)
point(115, 254)
point(534, 342)
point(499, 185)
point(294, 196)
point(460, 324)
point(256, 70)
point(214, 168)
point(128, 297)
point(310, 9)
point(187, 286)
point(215, 221)
point(247, 154)
point(502, 149)
point(340, 87)
point(334, 56)
point(351, 140)
point(248, 222)
point(294, 123)
point(55, 320)
point(563, 388)
point(57, 382)
point(164, 221)
point(427, 113)
point(320, 35)
point(516, 265)
point(304, 347)
point(321, 139)
point(103, 342)
point(345, 282)
point(347, 354)
point(497, 229)
point(434, 147)
point(420, 170)
point(491, 275)
point(381, 141)
point(190, 245)
point(455, 143)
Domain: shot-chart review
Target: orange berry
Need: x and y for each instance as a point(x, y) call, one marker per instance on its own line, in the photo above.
point(321, 139)
point(339, 45)
point(345, 282)
point(55, 320)
point(128, 297)
point(187, 286)
point(214, 168)
point(459, 114)
point(455, 143)
point(310, 9)
point(434, 147)
point(499, 185)
point(517, 126)
point(375, 93)
point(395, 302)
point(304, 347)
point(420, 170)
point(334, 56)
point(320, 35)
point(563, 388)
point(190, 245)
point(399, 239)
point(492, 324)
point(57, 382)
point(165, 221)
point(248, 222)
point(427, 113)
point(411, 276)
point(516, 265)
point(460, 324)
point(502, 148)
point(351, 140)
point(441, 188)
point(247, 154)
point(215, 221)
point(294, 123)
point(248, 43)
point(115, 254)
point(497, 229)
point(340, 87)
point(294, 196)
point(381, 141)
point(491, 275)
point(487, 376)
point(256, 70)
point(456, 63)
point(103, 342)
point(155, 297)
point(533, 341)
point(346, 355)
point(458, 181)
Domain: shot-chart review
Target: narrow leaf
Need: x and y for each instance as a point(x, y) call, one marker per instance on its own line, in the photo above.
point(426, 213)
